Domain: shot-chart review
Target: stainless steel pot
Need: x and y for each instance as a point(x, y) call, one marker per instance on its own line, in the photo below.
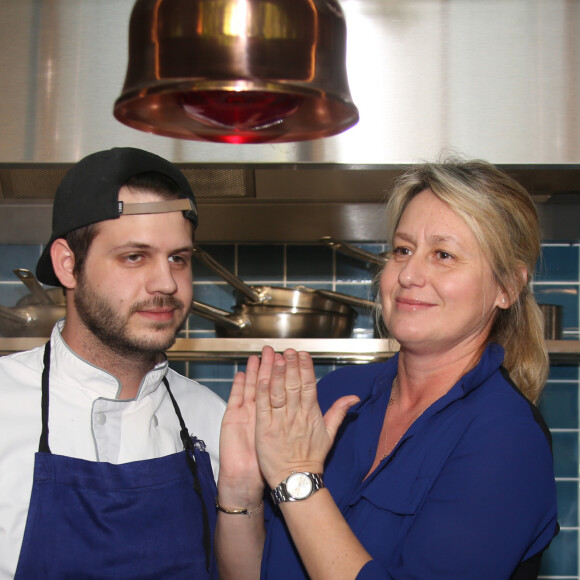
point(34, 314)
point(266, 321)
point(376, 260)
point(552, 321)
point(298, 297)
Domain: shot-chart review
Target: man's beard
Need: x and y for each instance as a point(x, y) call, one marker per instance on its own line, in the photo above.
point(109, 328)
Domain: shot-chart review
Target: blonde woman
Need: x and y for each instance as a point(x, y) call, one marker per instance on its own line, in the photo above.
point(433, 465)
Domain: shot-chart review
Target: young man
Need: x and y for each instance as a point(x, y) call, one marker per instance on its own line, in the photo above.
point(100, 477)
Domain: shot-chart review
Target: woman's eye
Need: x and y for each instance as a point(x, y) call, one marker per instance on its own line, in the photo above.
point(443, 255)
point(401, 251)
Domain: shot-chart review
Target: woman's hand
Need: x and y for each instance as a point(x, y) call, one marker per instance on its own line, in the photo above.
point(239, 539)
point(240, 481)
point(291, 433)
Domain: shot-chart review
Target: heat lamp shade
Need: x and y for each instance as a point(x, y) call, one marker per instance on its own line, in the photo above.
point(237, 71)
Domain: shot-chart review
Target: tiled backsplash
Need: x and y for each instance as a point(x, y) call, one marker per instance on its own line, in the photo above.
point(316, 266)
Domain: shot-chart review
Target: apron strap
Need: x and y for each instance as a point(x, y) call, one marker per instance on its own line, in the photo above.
point(189, 447)
point(43, 443)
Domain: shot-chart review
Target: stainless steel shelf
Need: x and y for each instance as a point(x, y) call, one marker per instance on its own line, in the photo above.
point(564, 351)
point(233, 349)
point(338, 350)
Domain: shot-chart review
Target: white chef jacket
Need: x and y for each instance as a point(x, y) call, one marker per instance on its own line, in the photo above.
point(87, 421)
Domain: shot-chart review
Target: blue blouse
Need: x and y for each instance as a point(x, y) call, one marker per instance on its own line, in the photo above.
point(468, 492)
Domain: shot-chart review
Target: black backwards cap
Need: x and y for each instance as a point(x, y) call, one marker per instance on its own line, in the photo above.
point(89, 193)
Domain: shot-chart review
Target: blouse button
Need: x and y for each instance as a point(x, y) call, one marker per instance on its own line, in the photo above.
point(155, 421)
point(101, 418)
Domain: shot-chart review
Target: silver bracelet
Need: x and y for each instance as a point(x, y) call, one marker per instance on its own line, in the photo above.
point(237, 511)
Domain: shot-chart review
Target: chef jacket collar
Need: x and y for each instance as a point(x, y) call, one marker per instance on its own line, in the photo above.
point(69, 367)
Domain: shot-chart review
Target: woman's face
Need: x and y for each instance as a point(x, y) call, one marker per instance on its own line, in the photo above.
point(438, 290)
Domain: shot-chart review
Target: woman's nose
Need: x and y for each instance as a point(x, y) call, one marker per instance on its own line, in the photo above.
point(412, 272)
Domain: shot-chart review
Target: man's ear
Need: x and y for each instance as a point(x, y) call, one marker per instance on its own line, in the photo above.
point(63, 262)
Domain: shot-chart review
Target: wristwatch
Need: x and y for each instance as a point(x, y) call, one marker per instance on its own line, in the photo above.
point(297, 486)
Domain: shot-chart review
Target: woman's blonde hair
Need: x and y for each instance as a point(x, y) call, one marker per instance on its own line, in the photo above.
point(502, 216)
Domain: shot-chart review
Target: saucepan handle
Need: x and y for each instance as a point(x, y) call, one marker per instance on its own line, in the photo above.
point(354, 251)
point(228, 276)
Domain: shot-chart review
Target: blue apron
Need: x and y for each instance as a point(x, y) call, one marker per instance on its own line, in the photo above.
point(144, 519)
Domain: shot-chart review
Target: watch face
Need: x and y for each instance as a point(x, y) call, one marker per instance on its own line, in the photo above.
point(299, 485)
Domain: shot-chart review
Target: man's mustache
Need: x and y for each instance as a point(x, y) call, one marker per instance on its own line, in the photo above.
point(158, 302)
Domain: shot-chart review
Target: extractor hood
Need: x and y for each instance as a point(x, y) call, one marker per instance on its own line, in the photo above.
point(493, 79)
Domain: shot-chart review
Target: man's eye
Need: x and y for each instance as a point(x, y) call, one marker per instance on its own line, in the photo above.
point(401, 251)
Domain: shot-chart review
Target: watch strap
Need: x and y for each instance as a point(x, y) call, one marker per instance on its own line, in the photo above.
point(280, 493)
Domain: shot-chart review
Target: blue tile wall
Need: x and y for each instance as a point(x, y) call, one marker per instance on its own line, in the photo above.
point(557, 281)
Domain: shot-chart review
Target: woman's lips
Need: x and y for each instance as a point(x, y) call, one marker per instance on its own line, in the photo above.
point(411, 304)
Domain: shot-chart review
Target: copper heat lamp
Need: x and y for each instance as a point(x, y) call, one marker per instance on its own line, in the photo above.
point(237, 71)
